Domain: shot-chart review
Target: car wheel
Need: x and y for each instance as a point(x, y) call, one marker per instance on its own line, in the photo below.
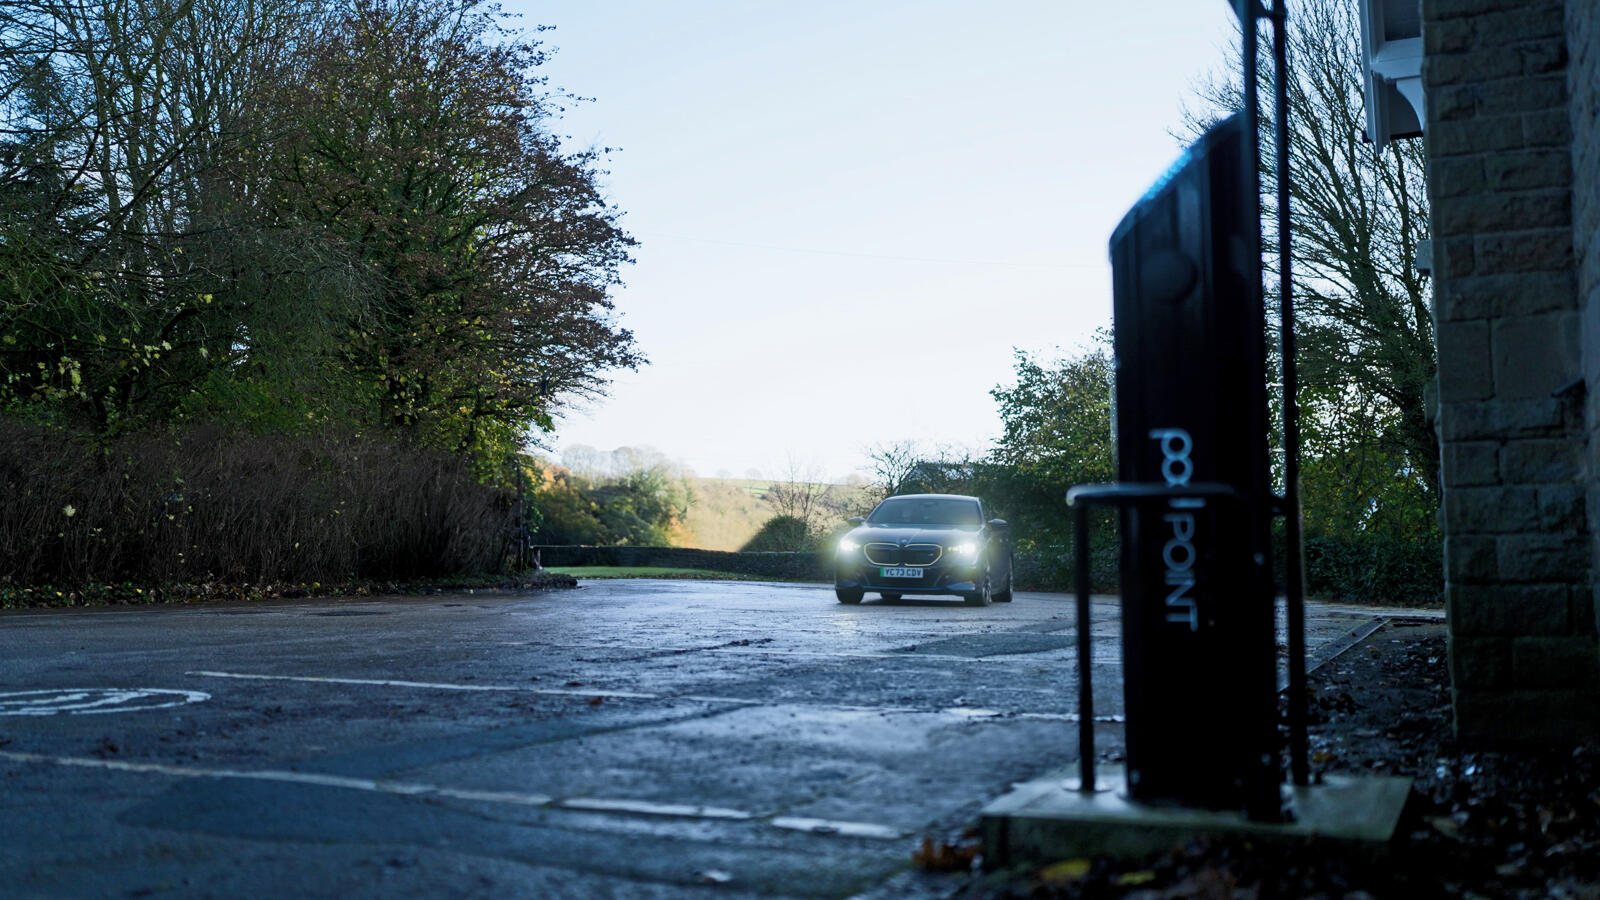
point(890, 596)
point(849, 595)
point(1004, 594)
point(982, 596)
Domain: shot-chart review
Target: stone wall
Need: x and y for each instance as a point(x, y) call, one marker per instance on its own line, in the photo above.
point(1583, 85)
point(805, 566)
point(1523, 654)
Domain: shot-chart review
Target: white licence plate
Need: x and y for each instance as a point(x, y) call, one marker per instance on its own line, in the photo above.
point(900, 572)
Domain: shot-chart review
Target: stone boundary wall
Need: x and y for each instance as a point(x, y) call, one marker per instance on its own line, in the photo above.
point(807, 566)
point(1583, 83)
point(1514, 467)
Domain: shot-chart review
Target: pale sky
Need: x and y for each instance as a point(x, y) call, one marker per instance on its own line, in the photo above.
point(851, 212)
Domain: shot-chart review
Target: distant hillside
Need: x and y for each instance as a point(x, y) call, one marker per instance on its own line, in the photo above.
point(725, 513)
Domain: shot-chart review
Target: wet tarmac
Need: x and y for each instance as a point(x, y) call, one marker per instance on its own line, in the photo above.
point(628, 738)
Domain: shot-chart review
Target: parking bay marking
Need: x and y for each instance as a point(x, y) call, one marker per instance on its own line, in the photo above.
point(960, 711)
point(415, 789)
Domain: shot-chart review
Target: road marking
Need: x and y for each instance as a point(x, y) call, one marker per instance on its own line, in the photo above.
point(592, 804)
point(285, 776)
point(414, 789)
point(384, 682)
point(93, 701)
point(960, 712)
point(843, 829)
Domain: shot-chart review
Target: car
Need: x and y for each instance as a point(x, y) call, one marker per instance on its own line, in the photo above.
point(936, 544)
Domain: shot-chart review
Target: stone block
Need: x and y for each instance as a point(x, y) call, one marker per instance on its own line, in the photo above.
point(1509, 610)
point(1453, 256)
point(1487, 296)
point(1540, 460)
point(1539, 662)
point(1540, 57)
point(1562, 508)
point(1532, 717)
point(1452, 101)
point(1449, 9)
point(1520, 95)
point(1527, 417)
point(1456, 176)
point(1444, 36)
point(1490, 510)
point(1491, 419)
point(1534, 168)
point(1473, 136)
point(1542, 557)
point(1471, 559)
point(1548, 128)
point(1524, 22)
point(1523, 251)
point(1545, 208)
point(1465, 372)
point(1534, 355)
point(1480, 662)
point(1470, 463)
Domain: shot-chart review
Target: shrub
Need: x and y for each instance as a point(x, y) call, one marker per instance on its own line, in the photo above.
point(210, 504)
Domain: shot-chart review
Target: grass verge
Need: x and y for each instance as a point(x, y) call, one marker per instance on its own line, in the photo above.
point(13, 596)
point(655, 572)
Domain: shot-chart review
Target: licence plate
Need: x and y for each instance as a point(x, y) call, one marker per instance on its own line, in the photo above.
point(900, 572)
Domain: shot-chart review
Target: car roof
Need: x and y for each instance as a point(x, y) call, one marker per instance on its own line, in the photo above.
point(932, 497)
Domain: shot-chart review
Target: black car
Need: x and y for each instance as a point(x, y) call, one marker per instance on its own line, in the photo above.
point(925, 544)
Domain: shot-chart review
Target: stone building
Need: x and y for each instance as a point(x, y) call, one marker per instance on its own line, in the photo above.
point(1510, 96)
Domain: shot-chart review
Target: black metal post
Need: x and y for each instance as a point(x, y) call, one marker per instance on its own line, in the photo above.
point(1294, 585)
point(1080, 540)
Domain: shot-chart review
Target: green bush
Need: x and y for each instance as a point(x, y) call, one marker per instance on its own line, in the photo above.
point(209, 504)
point(781, 534)
point(1373, 569)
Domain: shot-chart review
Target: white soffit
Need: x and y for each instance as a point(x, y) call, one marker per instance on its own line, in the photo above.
point(1391, 62)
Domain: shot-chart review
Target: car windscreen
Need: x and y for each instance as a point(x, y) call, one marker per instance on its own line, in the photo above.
point(926, 511)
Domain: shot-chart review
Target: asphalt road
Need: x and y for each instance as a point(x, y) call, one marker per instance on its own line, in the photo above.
point(628, 738)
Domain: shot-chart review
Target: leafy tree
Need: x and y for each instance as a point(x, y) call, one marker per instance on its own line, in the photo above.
point(1367, 355)
point(414, 136)
point(643, 503)
point(1056, 433)
point(784, 534)
point(120, 120)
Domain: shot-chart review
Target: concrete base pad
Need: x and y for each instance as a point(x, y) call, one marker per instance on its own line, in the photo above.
point(1049, 819)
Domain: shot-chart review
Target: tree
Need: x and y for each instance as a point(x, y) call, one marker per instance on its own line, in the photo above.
point(1056, 433)
point(1367, 355)
point(121, 124)
point(415, 138)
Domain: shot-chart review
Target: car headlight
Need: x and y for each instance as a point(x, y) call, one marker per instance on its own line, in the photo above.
point(848, 546)
point(965, 551)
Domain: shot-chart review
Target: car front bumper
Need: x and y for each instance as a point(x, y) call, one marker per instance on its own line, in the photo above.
point(958, 578)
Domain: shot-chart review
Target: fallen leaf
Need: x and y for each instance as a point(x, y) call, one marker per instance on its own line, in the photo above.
point(1131, 878)
point(1064, 871)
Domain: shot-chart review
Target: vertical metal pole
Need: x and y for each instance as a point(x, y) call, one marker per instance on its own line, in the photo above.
point(1294, 586)
point(1080, 540)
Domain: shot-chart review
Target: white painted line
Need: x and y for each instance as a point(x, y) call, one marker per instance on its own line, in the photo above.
point(412, 789)
point(383, 682)
point(957, 711)
point(646, 808)
point(283, 776)
point(93, 701)
point(845, 829)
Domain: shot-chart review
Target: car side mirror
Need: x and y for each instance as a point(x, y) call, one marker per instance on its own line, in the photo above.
point(855, 520)
point(998, 524)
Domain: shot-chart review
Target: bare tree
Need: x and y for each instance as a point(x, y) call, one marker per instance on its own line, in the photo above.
point(1366, 332)
point(803, 495)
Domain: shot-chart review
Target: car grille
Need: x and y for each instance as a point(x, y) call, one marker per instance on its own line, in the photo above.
point(881, 554)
